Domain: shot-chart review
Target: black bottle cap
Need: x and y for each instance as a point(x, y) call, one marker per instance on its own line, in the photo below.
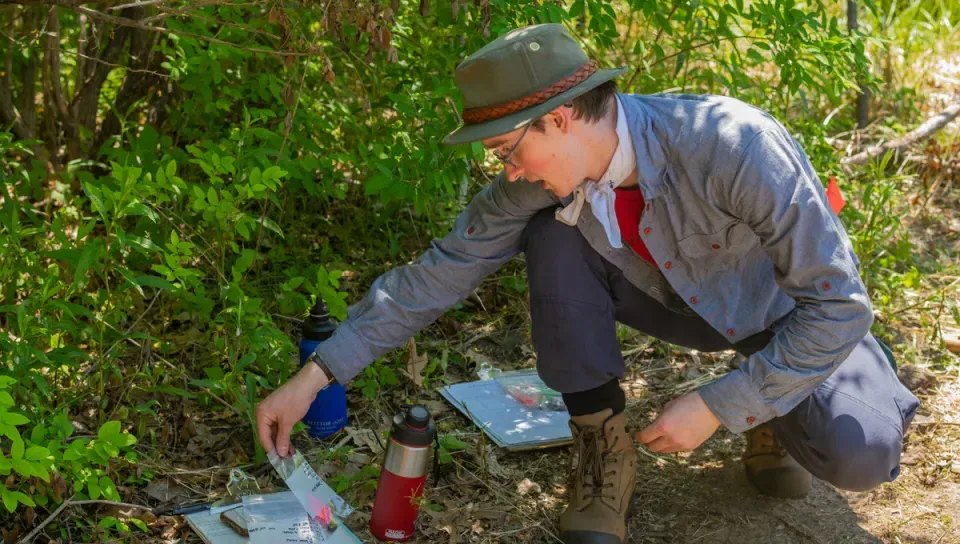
point(318, 326)
point(414, 427)
point(418, 417)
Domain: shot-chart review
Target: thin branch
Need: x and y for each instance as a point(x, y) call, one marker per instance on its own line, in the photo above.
point(70, 502)
point(184, 13)
point(112, 65)
point(691, 48)
point(123, 504)
point(121, 21)
point(136, 4)
point(33, 534)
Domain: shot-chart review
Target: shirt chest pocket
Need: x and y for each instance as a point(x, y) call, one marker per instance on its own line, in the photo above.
point(733, 240)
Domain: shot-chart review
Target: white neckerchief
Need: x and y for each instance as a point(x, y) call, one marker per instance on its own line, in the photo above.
point(600, 193)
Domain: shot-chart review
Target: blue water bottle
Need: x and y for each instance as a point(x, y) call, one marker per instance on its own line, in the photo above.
point(328, 413)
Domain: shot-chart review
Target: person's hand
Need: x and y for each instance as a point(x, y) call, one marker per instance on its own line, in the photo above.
point(287, 405)
point(686, 422)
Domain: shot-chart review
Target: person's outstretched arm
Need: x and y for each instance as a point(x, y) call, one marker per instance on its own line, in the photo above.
point(406, 299)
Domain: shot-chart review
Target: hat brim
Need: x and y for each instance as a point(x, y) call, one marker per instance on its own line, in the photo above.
point(481, 131)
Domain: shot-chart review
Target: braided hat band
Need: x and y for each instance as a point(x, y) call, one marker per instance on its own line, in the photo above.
point(473, 116)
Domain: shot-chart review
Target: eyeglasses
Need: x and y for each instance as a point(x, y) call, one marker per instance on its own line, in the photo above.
point(506, 159)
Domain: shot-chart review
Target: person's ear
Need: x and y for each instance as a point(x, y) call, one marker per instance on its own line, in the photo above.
point(561, 118)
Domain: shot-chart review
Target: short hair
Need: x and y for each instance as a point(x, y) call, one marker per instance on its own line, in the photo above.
point(591, 105)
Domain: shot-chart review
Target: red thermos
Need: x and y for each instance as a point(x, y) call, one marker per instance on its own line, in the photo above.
point(403, 475)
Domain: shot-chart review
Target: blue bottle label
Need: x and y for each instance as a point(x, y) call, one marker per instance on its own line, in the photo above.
point(328, 412)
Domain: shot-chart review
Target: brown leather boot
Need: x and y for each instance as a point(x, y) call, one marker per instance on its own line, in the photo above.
point(603, 480)
point(770, 469)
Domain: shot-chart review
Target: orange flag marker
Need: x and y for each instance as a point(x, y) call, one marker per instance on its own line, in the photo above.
point(834, 196)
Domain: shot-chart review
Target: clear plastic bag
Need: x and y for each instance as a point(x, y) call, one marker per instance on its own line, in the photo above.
point(312, 491)
point(488, 371)
point(528, 389)
point(277, 518)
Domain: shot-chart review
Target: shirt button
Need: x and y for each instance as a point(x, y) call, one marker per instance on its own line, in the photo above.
point(647, 230)
point(826, 285)
point(668, 265)
point(470, 230)
point(751, 419)
point(693, 300)
point(729, 332)
point(716, 246)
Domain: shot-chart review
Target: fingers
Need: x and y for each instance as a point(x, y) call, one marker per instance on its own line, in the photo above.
point(650, 432)
point(283, 437)
point(661, 445)
point(265, 429)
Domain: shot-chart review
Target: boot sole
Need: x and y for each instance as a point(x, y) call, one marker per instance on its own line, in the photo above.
point(781, 483)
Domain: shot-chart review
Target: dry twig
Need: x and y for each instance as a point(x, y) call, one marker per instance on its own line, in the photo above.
point(70, 502)
point(922, 132)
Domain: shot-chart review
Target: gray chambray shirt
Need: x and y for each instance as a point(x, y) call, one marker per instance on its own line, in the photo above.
point(737, 220)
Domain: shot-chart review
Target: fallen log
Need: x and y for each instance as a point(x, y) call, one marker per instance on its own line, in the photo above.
point(924, 131)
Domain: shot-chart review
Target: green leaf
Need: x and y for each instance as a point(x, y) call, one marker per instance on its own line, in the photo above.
point(38, 453)
point(108, 489)
point(24, 468)
point(5, 399)
point(109, 431)
point(139, 208)
point(156, 282)
point(16, 448)
point(144, 243)
point(212, 196)
point(273, 173)
point(86, 260)
point(452, 443)
point(171, 169)
point(72, 454)
point(6, 381)
point(23, 498)
point(9, 499)
point(93, 487)
point(96, 199)
point(271, 225)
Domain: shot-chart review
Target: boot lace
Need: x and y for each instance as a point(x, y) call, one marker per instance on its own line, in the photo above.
point(596, 468)
point(762, 441)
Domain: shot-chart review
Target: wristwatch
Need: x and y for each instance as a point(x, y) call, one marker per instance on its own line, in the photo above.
point(317, 360)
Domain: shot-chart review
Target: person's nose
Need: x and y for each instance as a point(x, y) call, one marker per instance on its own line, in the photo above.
point(513, 172)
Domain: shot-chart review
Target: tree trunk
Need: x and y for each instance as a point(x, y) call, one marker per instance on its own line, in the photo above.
point(136, 84)
point(32, 20)
point(84, 106)
point(863, 98)
point(55, 104)
point(9, 114)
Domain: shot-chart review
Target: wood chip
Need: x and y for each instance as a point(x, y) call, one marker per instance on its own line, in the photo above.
point(917, 379)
